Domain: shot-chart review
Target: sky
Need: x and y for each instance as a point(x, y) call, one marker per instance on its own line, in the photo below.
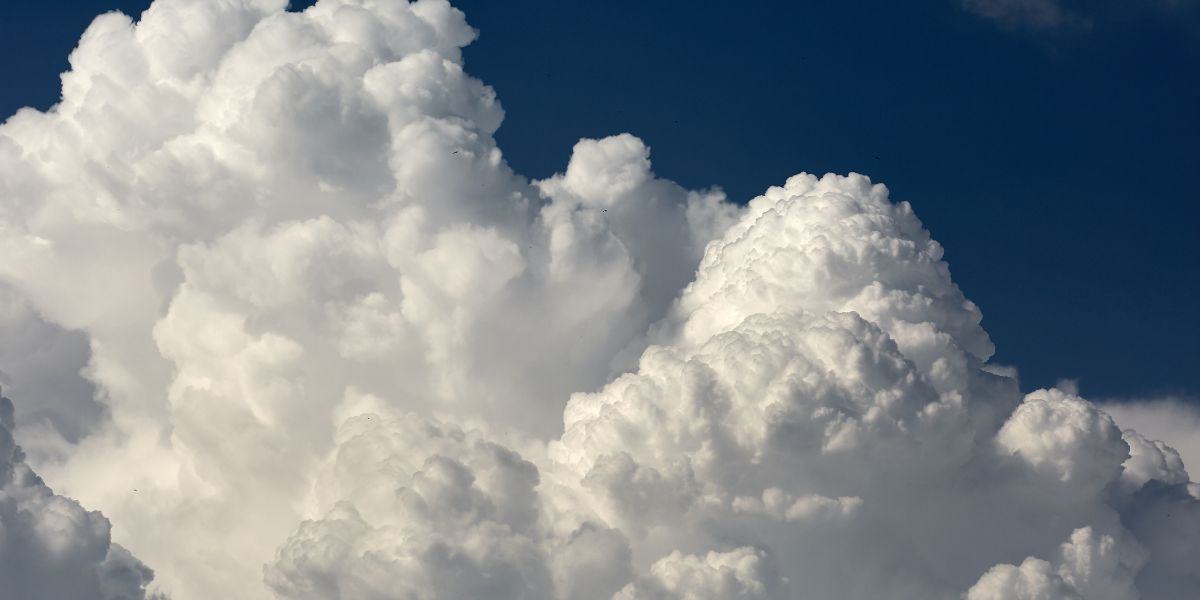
point(521, 301)
point(1052, 162)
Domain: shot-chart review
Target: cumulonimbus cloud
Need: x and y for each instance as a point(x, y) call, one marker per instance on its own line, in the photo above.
point(341, 350)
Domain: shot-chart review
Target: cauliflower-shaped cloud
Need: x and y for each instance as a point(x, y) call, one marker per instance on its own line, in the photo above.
point(1066, 439)
point(1088, 566)
point(51, 548)
point(742, 574)
point(461, 524)
point(271, 270)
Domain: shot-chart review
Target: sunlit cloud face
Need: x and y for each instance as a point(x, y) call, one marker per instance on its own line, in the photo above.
point(1173, 420)
point(337, 348)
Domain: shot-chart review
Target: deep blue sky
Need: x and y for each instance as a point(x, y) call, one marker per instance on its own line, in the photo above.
point(1058, 168)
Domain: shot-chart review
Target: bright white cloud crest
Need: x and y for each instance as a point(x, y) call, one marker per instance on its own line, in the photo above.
point(341, 350)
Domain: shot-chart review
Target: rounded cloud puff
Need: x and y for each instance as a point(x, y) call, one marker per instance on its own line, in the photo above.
point(51, 548)
point(270, 269)
point(436, 513)
point(1089, 566)
point(1065, 438)
point(743, 574)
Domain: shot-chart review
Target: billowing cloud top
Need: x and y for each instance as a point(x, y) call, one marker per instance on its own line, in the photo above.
point(270, 270)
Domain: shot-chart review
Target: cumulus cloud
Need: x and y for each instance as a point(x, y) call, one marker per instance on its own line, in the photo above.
point(437, 513)
point(51, 547)
point(42, 361)
point(741, 574)
point(272, 271)
point(1170, 422)
point(1088, 566)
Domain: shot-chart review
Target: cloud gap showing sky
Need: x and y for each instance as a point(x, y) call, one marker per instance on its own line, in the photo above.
point(280, 321)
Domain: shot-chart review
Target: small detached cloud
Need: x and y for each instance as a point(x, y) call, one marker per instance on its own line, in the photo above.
point(1031, 14)
point(1060, 15)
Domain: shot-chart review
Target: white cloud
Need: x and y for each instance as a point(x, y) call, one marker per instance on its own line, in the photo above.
point(43, 365)
point(1089, 565)
point(1065, 438)
point(1172, 421)
point(1034, 14)
point(1052, 15)
point(343, 351)
point(51, 548)
point(265, 210)
point(742, 574)
point(438, 513)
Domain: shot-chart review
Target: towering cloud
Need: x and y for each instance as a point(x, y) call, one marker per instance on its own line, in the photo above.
point(287, 288)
